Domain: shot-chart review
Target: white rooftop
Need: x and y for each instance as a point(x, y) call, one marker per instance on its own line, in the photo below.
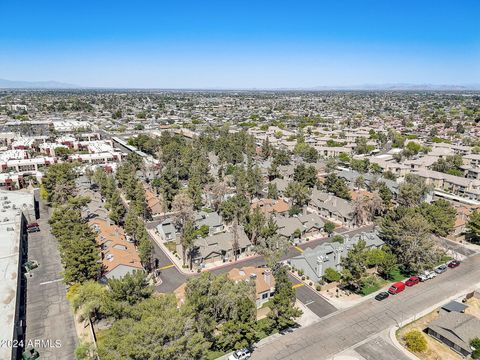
point(11, 205)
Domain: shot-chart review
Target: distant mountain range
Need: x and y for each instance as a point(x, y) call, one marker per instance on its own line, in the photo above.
point(400, 86)
point(13, 84)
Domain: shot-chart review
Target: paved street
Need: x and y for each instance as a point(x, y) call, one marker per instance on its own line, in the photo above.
point(311, 299)
point(346, 328)
point(49, 315)
point(378, 348)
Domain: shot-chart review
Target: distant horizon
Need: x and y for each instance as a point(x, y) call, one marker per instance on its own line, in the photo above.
point(60, 85)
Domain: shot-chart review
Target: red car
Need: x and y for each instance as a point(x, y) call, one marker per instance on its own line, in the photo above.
point(453, 264)
point(414, 280)
point(396, 288)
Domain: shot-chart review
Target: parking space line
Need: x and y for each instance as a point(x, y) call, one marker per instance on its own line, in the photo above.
point(167, 267)
point(299, 249)
point(51, 281)
point(309, 303)
point(297, 285)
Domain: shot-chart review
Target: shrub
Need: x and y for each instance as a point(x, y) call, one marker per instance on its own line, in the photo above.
point(331, 275)
point(310, 283)
point(318, 287)
point(303, 277)
point(300, 272)
point(415, 341)
point(475, 343)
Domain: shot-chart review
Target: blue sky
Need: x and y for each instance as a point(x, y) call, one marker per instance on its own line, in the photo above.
point(240, 44)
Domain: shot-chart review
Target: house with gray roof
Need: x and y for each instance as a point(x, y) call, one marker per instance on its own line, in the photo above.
point(312, 224)
point(315, 261)
point(213, 220)
point(351, 176)
point(219, 247)
point(289, 227)
point(456, 330)
point(166, 230)
point(332, 207)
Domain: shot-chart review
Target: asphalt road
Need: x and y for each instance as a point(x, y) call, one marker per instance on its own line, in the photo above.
point(311, 299)
point(378, 348)
point(346, 328)
point(49, 315)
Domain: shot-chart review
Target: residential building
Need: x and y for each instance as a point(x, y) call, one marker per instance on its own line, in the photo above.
point(456, 330)
point(263, 278)
point(119, 256)
point(315, 261)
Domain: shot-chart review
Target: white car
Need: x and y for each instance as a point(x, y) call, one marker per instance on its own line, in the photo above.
point(240, 354)
point(427, 275)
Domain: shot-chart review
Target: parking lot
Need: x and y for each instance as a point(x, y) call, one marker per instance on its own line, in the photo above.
point(311, 299)
point(49, 315)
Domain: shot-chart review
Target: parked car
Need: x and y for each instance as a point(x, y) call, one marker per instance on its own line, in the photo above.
point(33, 229)
point(33, 224)
point(240, 354)
point(441, 269)
point(413, 280)
point(453, 264)
point(382, 296)
point(396, 288)
point(430, 274)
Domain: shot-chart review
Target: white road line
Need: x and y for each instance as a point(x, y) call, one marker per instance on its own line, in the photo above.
point(51, 281)
point(309, 303)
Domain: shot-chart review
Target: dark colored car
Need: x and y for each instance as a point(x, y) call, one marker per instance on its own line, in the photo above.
point(414, 280)
point(453, 264)
point(31, 225)
point(33, 229)
point(382, 296)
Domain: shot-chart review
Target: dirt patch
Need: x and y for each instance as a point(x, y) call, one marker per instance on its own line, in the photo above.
point(436, 350)
point(473, 307)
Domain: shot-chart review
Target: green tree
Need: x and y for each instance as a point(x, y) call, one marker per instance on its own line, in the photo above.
point(59, 182)
point(272, 192)
point(354, 265)
point(131, 288)
point(306, 175)
point(298, 192)
point(415, 341)
point(283, 311)
point(331, 275)
point(117, 209)
point(408, 234)
point(473, 227)
point(154, 329)
point(412, 191)
point(441, 215)
point(337, 186)
point(475, 343)
point(89, 300)
point(329, 227)
point(254, 224)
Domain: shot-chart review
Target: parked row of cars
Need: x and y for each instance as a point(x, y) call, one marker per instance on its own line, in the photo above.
point(414, 280)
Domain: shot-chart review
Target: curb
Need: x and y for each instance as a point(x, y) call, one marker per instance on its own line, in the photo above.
point(393, 329)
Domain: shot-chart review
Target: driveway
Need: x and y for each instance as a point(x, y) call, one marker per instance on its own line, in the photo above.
point(311, 299)
point(49, 315)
